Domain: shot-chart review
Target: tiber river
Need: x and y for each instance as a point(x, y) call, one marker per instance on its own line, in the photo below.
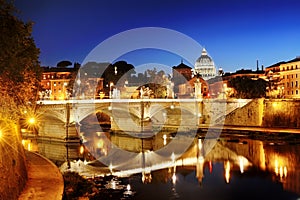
point(237, 167)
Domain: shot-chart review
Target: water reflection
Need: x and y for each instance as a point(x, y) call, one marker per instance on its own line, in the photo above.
point(236, 159)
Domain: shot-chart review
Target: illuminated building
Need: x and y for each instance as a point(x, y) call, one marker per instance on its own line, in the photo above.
point(182, 70)
point(55, 83)
point(290, 78)
point(181, 75)
point(205, 66)
point(272, 75)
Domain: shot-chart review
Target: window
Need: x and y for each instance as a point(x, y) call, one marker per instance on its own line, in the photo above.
point(292, 67)
point(288, 92)
point(283, 77)
point(292, 76)
point(296, 91)
point(296, 75)
point(287, 84)
point(292, 84)
point(296, 84)
point(292, 92)
point(287, 68)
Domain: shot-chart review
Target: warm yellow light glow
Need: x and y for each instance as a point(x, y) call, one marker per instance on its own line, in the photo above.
point(1, 134)
point(174, 178)
point(280, 171)
point(285, 171)
point(227, 171)
point(29, 147)
point(276, 167)
point(31, 120)
point(241, 165)
point(81, 150)
point(200, 144)
point(275, 105)
point(100, 144)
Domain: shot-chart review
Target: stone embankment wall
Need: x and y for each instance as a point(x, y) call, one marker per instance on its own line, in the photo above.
point(248, 115)
point(267, 113)
point(13, 173)
point(281, 113)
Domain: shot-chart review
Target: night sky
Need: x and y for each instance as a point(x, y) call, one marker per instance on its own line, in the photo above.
point(235, 33)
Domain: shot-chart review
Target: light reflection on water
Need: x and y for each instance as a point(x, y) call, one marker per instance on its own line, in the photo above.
point(236, 168)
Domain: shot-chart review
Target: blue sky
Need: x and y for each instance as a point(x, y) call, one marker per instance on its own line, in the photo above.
point(235, 32)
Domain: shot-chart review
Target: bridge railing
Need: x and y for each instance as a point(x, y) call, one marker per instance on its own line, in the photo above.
point(45, 102)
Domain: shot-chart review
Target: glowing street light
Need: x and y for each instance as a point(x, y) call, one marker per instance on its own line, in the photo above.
point(31, 121)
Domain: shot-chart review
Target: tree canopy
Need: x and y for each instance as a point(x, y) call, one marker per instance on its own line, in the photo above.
point(19, 64)
point(248, 88)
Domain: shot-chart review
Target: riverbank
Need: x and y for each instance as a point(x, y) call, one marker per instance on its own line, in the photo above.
point(44, 179)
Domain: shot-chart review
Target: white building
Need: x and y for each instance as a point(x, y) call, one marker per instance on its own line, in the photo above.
point(205, 66)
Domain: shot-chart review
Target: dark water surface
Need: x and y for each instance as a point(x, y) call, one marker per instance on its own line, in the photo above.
point(238, 167)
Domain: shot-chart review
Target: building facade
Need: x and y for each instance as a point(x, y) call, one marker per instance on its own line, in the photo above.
point(55, 83)
point(290, 78)
point(205, 66)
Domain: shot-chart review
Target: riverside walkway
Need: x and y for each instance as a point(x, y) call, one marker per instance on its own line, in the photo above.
point(44, 179)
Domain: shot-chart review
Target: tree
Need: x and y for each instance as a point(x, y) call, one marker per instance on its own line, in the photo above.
point(64, 63)
point(158, 82)
point(247, 88)
point(19, 65)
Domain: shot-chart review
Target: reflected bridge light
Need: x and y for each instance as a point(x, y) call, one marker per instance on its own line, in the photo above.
point(241, 165)
point(173, 157)
point(81, 149)
point(165, 139)
point(174, 178)
point(110, 168)
point(128, 187)
point(227, 171)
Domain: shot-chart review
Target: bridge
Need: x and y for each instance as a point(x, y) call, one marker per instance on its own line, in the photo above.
point(62, 119)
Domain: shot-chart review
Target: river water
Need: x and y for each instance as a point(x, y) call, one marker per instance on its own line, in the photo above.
point(236, 167)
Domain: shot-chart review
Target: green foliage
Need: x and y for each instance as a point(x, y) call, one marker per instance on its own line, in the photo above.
point(247, 88)
point(19, 65)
